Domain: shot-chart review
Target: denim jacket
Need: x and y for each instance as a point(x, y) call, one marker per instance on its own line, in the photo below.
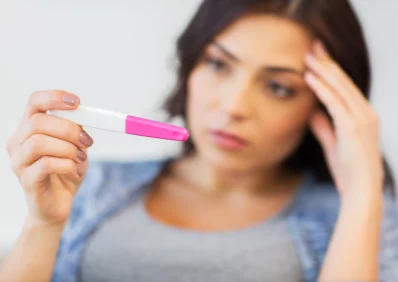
point(110, 186)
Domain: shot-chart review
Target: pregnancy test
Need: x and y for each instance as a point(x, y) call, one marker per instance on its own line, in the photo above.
point(118, 122)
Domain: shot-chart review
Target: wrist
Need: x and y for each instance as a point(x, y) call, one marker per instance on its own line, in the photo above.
point(366, 204)
point(32, 223)
point(362, 192)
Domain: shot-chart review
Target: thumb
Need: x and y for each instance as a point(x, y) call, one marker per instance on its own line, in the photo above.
point(323, 130)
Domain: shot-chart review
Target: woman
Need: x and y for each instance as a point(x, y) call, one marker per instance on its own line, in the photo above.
point(282, 179)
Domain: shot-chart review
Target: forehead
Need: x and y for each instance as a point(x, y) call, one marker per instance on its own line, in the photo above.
point(266, 39)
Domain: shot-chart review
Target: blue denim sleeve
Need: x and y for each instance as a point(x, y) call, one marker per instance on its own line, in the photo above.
point(389, 242)
point(65, 267)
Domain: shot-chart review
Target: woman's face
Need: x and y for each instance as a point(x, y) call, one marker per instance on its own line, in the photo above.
point(248, 104)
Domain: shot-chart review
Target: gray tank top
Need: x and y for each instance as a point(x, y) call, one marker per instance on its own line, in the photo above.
point(131, 246)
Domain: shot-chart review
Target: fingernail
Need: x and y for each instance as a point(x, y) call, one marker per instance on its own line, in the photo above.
point(310, 57)
point(79, 171)
point(85, 139)
point(308, 76)
point(319, 47)
point(70, 99)
point(81, 155)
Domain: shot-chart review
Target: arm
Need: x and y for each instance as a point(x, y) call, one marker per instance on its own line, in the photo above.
point(350, 141)
point(34, 254)
point(353, 251)
point(49, 157)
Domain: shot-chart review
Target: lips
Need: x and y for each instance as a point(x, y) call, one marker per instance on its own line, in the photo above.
point(227, 140)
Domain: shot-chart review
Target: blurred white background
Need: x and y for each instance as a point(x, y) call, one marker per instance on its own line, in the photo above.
point(118, 55)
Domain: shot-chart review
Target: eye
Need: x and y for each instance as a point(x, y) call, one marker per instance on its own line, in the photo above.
point(280, 90)
point(217, 65)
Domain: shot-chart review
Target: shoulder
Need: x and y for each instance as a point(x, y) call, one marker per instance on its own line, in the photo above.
point(317, 216)
point(318, 199)
point(105, 187)
point(101, 174)
point(322, 198)
point(389, 240)
point(105, 183)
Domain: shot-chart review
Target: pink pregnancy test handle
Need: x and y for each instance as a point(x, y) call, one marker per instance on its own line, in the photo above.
point(154, 129)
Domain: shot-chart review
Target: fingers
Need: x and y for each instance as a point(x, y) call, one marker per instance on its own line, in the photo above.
point(38, 146)
point(45, 166)
point(56, 127)
point(42, 139)
point(323, 131)
point(362, 118)
point(333, 103)
point(321, 64)
point(43, 101)
point(81, 168)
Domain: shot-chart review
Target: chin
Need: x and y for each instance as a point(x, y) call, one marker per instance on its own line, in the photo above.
point(227, 160)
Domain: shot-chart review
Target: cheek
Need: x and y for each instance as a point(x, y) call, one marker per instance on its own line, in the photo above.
point(281, 136)
point(289, 124)
point(288, 131)
point(198, 105)
point(200, 99)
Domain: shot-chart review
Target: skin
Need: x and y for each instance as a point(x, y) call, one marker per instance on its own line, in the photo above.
point(232, 89)
point(248, 185)
point(49, 157)
point(237, 94)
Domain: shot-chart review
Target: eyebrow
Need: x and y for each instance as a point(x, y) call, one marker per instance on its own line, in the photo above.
point(230, 55)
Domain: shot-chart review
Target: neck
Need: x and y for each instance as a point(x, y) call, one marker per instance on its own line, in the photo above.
point(224, 181)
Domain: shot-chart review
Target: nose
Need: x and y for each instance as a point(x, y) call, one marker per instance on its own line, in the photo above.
point(237, 101)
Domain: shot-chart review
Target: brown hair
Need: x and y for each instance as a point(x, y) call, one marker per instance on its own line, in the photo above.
point(334, 22)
